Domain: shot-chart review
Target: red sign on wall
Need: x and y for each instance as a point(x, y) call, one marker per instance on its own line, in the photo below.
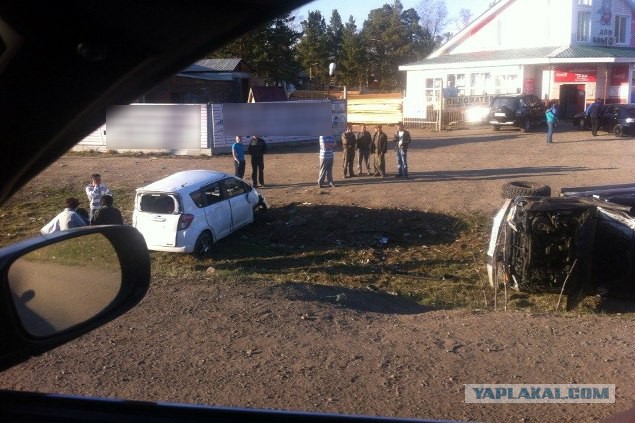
point(528, 86)
point(574, 75)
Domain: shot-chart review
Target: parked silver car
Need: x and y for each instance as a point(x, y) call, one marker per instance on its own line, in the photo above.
point(189, 211)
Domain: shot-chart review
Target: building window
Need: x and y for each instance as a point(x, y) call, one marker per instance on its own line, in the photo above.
point(433, 90)
point(621, 23)
point(584, 26)
point(584, 2)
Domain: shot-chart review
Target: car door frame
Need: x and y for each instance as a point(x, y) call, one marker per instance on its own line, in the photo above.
point(241, 209)
point(217, 210)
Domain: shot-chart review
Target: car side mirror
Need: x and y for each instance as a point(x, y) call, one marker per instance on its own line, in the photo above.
point(57, 287)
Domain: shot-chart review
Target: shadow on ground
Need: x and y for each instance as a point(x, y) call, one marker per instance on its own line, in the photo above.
point(365, 299)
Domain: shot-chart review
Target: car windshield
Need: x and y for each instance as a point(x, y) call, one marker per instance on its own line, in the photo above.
point(363, 288)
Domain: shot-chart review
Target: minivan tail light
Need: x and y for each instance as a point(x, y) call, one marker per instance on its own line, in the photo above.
point(185, 221)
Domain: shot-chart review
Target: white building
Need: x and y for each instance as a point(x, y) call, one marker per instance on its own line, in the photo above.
point(570, 51)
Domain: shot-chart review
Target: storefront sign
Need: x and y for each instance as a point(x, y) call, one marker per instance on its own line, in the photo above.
point(469, 100)
point(574, 75)
point(604, 37)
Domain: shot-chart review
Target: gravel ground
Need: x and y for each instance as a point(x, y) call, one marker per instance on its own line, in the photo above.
point(329, 349)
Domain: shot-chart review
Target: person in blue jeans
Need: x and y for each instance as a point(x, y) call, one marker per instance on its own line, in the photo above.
point(327, 148)
point(238, 153)
point(552, 120)
point(402, 140)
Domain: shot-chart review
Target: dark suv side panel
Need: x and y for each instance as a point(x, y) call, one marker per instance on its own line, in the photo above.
point(520, 111)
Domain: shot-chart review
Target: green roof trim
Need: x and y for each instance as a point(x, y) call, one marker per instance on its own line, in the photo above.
point(531, 54)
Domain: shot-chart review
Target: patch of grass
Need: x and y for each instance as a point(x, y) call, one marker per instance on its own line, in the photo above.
point(434, 259)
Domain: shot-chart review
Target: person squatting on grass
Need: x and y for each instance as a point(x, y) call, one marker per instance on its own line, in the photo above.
point(65, 220)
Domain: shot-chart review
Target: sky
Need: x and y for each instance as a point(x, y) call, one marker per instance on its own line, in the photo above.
point(360, 8)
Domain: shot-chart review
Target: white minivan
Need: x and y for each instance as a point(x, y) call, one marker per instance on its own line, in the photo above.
point(189, 211)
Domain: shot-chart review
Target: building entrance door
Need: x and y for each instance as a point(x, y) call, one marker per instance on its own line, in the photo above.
point(571, 100)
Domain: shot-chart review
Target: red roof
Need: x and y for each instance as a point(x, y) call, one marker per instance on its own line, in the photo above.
point(266, 94)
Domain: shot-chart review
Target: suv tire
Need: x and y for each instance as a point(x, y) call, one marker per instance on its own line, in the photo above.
point(618, 130)
point(523, 188)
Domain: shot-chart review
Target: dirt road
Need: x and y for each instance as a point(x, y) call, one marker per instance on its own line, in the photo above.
point(319, 348)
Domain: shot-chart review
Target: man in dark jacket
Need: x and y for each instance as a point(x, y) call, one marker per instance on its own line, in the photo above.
point(364, 140)
point(594, 114)
point(348, 144)
point(257, 149)
point(379, 148)
point(107, 214)
point(402, 140)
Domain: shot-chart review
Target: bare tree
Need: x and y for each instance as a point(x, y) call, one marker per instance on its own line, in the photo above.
point(464, 19)
point(434, 16)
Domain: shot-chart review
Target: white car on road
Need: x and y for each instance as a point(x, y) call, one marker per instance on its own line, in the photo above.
point(189, 211)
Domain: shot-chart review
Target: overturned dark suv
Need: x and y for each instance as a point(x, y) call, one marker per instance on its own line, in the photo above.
point(521, 111)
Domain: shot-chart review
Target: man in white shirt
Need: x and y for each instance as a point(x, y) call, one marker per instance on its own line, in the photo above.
point(94, 191)
point(66, 220)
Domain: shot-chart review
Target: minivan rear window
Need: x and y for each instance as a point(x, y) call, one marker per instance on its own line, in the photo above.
point(158, 203)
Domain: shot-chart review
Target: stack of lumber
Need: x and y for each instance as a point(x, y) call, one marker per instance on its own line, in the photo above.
point(374, 109)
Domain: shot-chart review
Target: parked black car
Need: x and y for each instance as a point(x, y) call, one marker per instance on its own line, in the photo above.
point(616, 118)
point(521, 111)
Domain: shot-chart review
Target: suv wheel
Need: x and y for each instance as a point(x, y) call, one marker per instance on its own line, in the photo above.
point(618, 130)
point(203, 245)
point(523, 188)
point(526, 126)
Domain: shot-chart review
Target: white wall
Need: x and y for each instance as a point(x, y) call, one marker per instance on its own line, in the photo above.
point(524, 24)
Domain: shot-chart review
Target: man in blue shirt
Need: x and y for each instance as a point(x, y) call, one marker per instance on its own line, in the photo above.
point(238, 152)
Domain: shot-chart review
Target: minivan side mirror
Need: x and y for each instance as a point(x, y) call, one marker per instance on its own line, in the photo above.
point(54, 288)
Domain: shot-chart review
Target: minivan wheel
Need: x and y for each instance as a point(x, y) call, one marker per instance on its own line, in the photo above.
point(618, 130)
point(203, 245)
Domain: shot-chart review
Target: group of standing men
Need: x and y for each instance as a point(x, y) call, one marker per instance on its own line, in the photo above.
point(366, 146)
point(377, 146)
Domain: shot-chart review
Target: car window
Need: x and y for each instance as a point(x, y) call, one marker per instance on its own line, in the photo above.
point(233, 187)
point(534, 101)
point(158, 203)
point(212, 193)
